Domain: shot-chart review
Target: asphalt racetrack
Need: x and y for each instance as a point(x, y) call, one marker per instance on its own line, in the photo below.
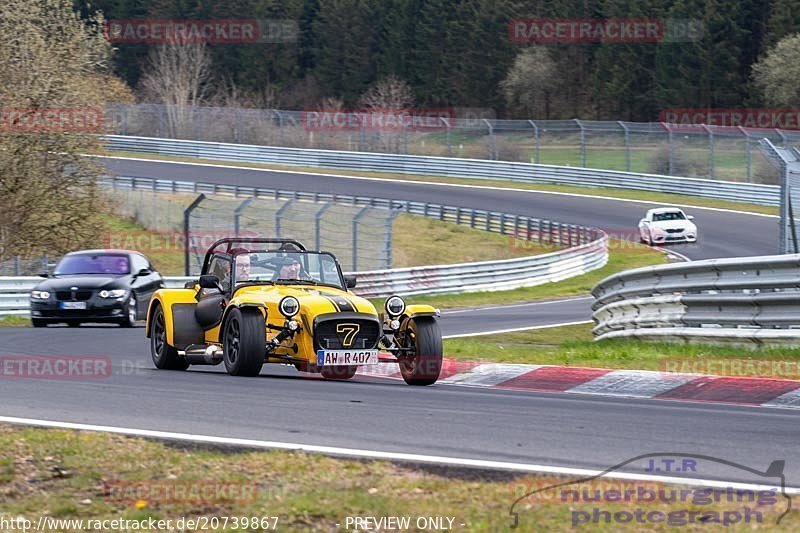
point(387, 415)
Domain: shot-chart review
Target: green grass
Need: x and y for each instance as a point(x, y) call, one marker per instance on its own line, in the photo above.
point(604, 192)
point(623, 255)
point(68, 474)
point(573, 346)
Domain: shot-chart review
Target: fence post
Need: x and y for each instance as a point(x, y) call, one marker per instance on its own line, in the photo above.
point(16, 265)
point(710, 151)
point(387, 246)
point(583, 143)
point(356, 219)
point(535, 141)
point(187, 213)
point(318, 225)
point(447, 136)
point(627, 145)
point(671, 169)
point(161, 121)
point(237, 214)
point(491, 140)
point(747, 154)
point(279, 215)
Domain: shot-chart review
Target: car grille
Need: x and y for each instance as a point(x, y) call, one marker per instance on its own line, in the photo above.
point(674, 231)
point(80, 296)
point(327, 337)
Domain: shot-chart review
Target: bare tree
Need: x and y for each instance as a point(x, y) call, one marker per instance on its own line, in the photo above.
point(390, 93)
point(52, 63)
point(531, 81)
point(177, 74)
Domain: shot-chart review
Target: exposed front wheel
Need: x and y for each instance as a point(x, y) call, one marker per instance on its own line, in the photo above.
point(130, 313)
point(165, 357)
point(338, 372)
point(244, 342)
point(422, 364)
point(38, 323)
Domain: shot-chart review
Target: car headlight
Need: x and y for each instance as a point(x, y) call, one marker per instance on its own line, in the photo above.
point(394, 306)
point(40, 295)
point(289, 306)
point(114, 293)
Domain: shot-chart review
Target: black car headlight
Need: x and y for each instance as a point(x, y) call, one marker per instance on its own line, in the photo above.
point(395, 306)
point(40, 295)
point(289, 306)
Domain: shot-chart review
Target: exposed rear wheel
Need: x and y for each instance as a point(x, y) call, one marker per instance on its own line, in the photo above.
point(165, 357)
point(338, 372)
point(244, 342)
point(423, 364)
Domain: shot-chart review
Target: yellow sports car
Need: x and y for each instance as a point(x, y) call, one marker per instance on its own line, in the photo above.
point(272, 301)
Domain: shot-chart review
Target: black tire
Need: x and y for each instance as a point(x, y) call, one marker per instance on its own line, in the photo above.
point(424, 364)
point(165, 357)
point(38, 323)
point(131, 313)
point(338, 372)
point(73, 323)
point(244, 342)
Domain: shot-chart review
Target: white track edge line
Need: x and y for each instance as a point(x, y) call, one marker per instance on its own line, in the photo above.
point(512, 330)
point(392, 456)
point(438, 183)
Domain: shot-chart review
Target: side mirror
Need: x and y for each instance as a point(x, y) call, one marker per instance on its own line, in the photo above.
point(690, 217)
point(143, 272)
point(210, 281)
point(350, 281)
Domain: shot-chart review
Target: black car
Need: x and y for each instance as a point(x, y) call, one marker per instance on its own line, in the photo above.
point(96, 286)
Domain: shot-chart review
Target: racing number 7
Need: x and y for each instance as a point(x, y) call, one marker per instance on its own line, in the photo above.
point(350, 331)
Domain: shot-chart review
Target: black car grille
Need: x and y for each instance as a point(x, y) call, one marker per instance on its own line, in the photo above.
point(80, 295)
point(333, 333)
point(674, 231)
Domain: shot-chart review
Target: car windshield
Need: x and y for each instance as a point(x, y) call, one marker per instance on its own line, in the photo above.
point(307, 268)
point(669, 215)
point(114, 264)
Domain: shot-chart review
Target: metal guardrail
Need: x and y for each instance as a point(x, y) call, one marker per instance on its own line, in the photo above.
point(451, 167)
point(585, 249)
point(739, 300)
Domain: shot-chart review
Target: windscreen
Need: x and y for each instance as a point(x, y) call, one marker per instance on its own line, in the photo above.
point(280, 267)
point(113, 264)
point(670, 215)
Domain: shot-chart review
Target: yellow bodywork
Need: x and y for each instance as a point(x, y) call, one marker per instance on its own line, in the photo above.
point(314, 301)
